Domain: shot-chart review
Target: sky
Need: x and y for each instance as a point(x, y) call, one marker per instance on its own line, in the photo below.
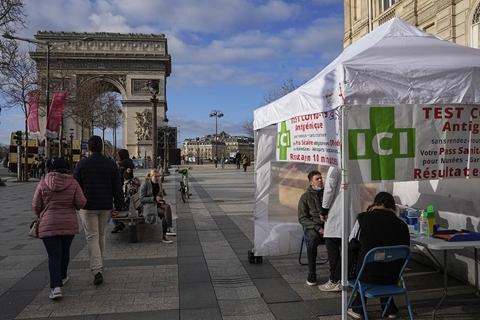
point(226, 54)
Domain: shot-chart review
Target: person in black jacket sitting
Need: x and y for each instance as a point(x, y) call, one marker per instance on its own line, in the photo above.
point(379, 226)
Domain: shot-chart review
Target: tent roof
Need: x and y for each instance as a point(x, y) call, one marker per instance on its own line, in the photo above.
point(396, 63)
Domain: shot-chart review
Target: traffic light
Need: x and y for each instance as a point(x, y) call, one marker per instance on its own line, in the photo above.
point(18, 137)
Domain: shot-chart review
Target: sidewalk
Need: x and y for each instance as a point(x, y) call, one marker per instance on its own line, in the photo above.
point(204, 274)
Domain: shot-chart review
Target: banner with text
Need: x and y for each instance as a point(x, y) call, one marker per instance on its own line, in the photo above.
point(32, 120)
point(405, 143)
point(313, 138)
point(55, 114)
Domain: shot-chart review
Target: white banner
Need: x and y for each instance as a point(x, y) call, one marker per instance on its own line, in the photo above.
point(313, 138)
point(419, 142)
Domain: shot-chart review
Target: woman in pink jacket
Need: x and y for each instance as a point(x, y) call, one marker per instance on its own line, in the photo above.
point(61, 195)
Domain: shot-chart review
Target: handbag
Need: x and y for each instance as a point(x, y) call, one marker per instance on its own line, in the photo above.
point(36, 223)
point(353, 250)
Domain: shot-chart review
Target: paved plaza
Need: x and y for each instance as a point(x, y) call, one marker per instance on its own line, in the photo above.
point(204, 274)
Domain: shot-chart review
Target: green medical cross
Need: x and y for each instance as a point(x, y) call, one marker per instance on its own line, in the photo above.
point(382, 143)
point(283, 145)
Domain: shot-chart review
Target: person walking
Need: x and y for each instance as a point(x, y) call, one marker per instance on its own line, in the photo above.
point(238, 159)
point(155, 206)
point(245, 162)
point(100, 181)
point(222, 161)
point(55, 202)
point(309, 208)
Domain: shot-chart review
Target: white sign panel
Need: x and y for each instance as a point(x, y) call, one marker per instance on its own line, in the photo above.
point(420, 142)
point(313, 138)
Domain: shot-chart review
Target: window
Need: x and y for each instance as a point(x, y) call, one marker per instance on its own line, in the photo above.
point(387, 4)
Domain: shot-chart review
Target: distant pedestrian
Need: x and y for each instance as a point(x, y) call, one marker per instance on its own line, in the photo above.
point(238, 159)
point(99, 178)
point(55, 202)
point(245, 162)
point(222, 161)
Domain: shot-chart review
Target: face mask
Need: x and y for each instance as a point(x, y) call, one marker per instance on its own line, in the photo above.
point(317, 188)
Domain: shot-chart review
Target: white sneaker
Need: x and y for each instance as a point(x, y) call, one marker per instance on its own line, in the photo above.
point(166, 240)
point(354, 315)
point(330, 286)
point(65, 280)
point(56, 293)
point(170, 232)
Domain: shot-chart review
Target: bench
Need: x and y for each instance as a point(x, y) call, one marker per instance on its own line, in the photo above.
point(132, 221)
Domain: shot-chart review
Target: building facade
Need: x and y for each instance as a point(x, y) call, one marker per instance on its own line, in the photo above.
point(204, 147)
point(454, 20)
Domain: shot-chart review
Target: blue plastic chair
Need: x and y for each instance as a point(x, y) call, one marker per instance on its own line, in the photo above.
point(369, 290)
point(304, 243)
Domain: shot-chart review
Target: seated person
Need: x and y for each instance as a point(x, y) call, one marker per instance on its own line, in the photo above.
point(154, 205)
point(309, 208)
point(379, 226)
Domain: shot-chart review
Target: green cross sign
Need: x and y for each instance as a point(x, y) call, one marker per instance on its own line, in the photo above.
point(382, 143)
point(284, 141)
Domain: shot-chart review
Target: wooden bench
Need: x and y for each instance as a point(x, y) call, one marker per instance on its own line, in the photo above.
point(132, 221)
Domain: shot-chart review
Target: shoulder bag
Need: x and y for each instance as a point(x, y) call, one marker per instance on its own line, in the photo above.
point(36, 223)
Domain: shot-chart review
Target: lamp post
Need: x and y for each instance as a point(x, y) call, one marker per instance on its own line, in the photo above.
point(217, 114)
point(71, 149)
point(153, 86)
point(165, 146)
point(50, 46)
point(198, 152)
point(138, 148)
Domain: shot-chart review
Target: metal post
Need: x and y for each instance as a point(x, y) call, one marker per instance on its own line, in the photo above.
point(154, 132)
point(138, 148)
point(198, 152)
point(71, 149)
point(47, 100)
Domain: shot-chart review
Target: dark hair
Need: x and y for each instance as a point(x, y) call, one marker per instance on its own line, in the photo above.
point(385, 199)
point(313, 173)
point(95, 144)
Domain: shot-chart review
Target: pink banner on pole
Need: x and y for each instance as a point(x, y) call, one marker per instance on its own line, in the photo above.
point(55, 114)
point(33, 126)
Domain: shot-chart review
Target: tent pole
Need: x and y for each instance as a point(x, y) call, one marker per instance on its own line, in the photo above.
point(345, 205)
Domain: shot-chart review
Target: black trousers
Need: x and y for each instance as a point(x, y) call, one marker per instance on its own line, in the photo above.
point(313, 240)
point(334, 246)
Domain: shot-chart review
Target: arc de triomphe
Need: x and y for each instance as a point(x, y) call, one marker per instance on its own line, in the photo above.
point(126, 61)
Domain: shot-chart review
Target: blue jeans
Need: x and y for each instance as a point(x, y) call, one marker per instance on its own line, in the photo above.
point(58, 249)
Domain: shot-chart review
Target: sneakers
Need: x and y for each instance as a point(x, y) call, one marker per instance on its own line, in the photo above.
point(170, 232)
point(56, 293)
point(118, 227)
point(330, 286)
point(98, 278)
point(166, 240)
point(392, 316)
point(65, 280)
point(354, 314)
point(312, 279)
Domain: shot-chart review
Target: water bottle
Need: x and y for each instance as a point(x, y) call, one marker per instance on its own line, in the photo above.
point(423, 228)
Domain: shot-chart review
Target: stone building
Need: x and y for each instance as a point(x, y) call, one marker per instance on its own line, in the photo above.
point(204, 147)
point(453, 20)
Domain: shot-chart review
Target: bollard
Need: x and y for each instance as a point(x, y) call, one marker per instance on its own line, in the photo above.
point(132, 233)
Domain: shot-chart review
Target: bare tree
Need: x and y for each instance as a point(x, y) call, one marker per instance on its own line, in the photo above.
point(105, 109)
point(12, 17)
point(18, 78)
point(287, 86)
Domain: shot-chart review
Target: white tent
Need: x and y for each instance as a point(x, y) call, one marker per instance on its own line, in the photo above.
point(413, 94)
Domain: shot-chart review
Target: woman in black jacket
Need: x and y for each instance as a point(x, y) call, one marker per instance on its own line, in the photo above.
point(380, 226)
point(126, 175)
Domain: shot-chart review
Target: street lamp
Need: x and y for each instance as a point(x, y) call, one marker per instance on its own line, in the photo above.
point(153, 86)
point(165, 146)
point(71, 149)
point(50, 46)
point(198, 152)
point(138, 148)
point(217, 114)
